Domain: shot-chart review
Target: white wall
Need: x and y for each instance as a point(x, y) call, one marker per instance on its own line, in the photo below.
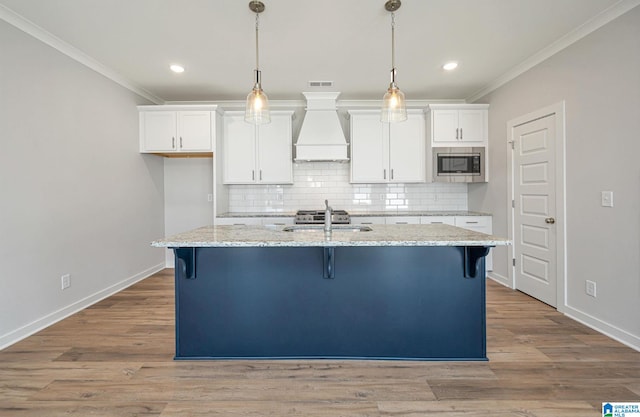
point(76, 197)
point(188, 182)
point(598, 77)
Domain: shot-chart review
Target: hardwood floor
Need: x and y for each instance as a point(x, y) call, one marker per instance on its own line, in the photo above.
point(116, 359)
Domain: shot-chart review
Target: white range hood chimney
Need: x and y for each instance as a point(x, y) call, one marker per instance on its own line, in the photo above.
point(321, 137)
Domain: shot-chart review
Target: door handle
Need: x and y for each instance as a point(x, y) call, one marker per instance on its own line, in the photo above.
point(550, 220)
point(457, 133)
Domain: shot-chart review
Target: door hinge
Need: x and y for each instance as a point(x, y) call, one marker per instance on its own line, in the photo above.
point(513, 203)
point(514, 261)
point(513, 144)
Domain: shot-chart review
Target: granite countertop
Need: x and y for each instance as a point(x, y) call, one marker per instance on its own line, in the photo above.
point(364, 213)
point(381, 235)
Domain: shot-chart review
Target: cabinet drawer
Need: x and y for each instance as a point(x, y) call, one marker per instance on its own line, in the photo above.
point(367, 220)
point(474, 222)
point(238, 221)
point(438, 220)
point(403, 220)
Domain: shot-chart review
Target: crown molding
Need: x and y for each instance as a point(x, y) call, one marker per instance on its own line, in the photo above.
point(613, 12)
point(49, 39)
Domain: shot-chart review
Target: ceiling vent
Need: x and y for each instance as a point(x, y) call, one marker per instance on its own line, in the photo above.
point(320, 83)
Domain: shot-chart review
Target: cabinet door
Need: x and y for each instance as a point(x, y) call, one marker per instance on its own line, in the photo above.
point(407, 150)
point(275, 164)
point(471, 124)
point(451, 220)
point(194, 131)
point(403, 220)
point(239, 151)
point(369, 154)
point(367, 220)
point(444, 126)
point(482, 224)
point(159, 131)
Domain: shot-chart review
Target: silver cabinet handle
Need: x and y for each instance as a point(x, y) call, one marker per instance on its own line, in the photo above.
point(471, 222)
point(550, 220)
point(391, 173)
point(260, 175)
point(253, 174)
point(180, 142)
point(460, 133)
point(384, 174)
point(402, 223)
point(457, 133)
point(173, 142)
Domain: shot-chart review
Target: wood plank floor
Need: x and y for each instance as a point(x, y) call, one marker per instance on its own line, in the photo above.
point(116, 359)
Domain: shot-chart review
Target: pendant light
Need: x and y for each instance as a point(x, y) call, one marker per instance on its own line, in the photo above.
point(393, 104)
point(257, 110)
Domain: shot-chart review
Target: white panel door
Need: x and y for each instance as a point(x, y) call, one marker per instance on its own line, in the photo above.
point(407, 150)
point(369, 142)
point(159, 130)
point(194, 131)
point(275, 163)
point(239, 151)
point(535, 209)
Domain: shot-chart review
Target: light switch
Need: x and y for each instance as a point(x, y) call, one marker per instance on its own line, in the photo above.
point(607, 199)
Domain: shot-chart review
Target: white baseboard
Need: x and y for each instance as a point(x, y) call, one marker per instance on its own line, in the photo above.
point(23, 332)
point(596, 324)
point(500, 279)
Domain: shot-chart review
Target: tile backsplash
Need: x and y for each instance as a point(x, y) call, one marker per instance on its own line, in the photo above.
point(316, 181)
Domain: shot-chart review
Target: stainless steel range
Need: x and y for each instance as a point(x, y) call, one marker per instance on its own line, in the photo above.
point(317, 217)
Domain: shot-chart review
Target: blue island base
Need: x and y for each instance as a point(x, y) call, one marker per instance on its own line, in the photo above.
point(411, 303)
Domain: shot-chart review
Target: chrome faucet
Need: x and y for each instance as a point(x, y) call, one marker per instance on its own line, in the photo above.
point(328, 214)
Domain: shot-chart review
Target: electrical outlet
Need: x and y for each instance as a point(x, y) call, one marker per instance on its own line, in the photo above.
point(590, 288)
point(65, 281)
point(607, 198)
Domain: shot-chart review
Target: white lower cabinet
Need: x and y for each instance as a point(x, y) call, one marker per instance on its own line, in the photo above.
point(255, 221)
point(277, 221)
point(479, 224)
point(450, 220)
point(367, 220)
point(403, 220)
point(238, 221)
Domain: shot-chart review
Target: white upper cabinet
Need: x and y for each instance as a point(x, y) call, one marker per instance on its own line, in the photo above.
point(169, 130)
point(387, 152)
point(454, 125)
point(259, 154)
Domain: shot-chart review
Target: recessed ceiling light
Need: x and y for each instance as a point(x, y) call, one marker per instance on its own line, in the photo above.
point(450, 66)
point(177, 68)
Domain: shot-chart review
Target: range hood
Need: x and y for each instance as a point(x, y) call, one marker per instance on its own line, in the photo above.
point(321, 137)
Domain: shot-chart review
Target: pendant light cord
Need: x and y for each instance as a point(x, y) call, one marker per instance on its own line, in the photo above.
point(257, 25)
point(393, 40)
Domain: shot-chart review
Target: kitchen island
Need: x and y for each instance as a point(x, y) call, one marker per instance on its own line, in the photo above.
point(395, 292)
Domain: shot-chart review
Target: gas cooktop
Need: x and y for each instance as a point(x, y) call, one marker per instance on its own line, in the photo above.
point(317, 217)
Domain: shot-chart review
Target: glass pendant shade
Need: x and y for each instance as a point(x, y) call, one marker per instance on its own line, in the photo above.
point(257, 110)
point(393, 105)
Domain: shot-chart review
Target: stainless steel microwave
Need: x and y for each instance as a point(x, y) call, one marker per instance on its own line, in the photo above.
point(458, 165)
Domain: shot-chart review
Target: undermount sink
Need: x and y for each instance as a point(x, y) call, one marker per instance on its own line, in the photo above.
point(320, 228)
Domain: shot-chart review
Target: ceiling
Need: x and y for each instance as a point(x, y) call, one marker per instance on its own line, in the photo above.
point(344, 41)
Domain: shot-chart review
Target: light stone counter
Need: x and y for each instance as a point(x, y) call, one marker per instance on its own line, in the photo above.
point(381, 235)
